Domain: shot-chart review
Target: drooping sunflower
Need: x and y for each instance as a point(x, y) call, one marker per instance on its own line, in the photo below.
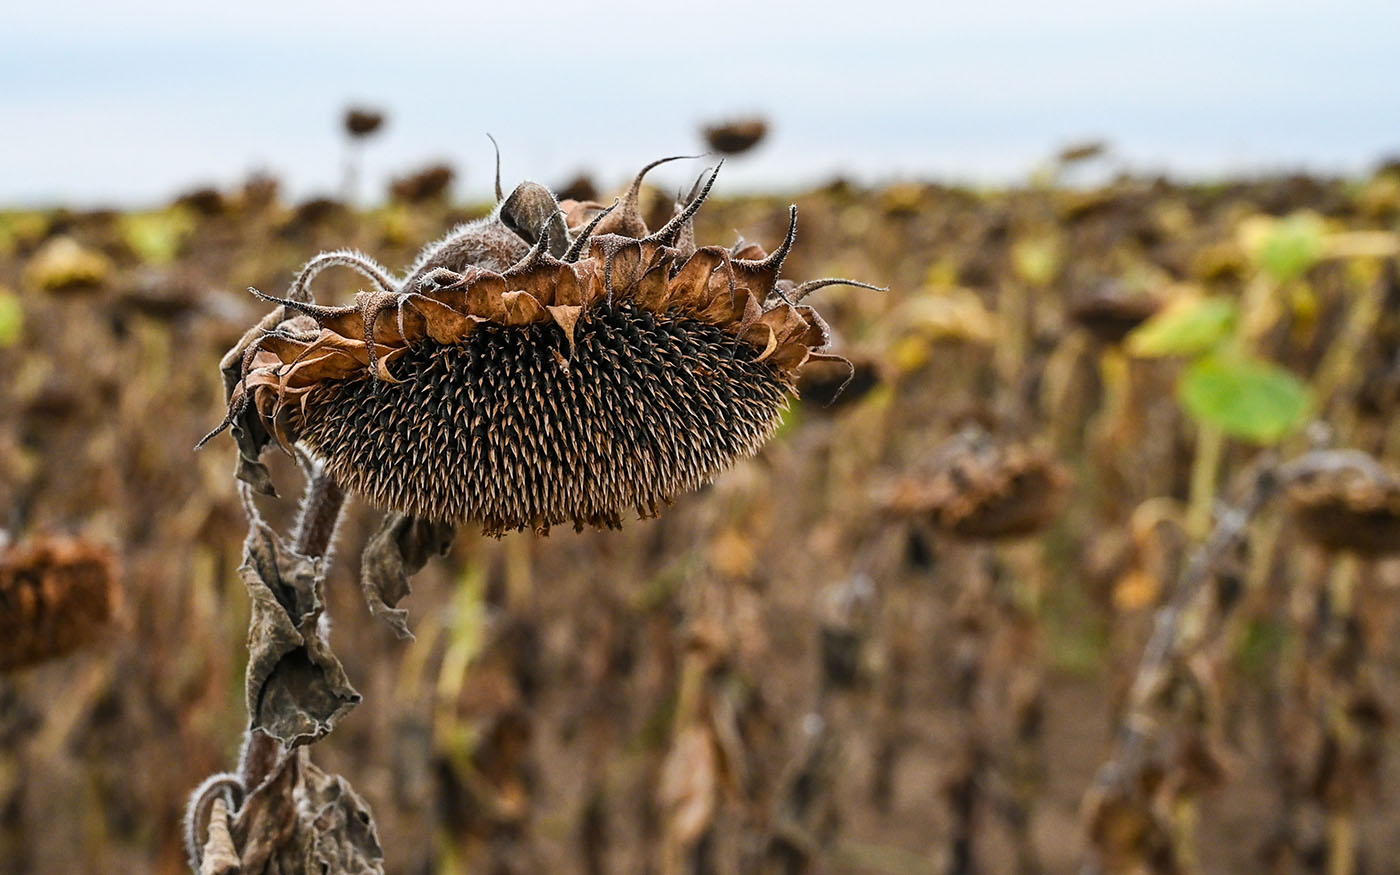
point(56, 595)
point(1352, 507)
point(979, 487)
point(551, 363)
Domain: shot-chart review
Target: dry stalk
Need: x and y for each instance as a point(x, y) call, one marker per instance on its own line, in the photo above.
point(1121, 807)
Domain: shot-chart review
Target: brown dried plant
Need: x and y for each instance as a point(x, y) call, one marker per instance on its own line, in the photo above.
point(979, 487)
point(737, 135)
point(56, 596)
point(550, 363)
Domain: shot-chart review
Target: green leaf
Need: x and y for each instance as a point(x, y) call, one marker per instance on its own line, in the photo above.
point(1245, 398)
point(1290, 247)
point(1187, 326)
point(11, 318)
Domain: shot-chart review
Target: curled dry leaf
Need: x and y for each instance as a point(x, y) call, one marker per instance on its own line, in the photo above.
point(219, 856)
point(300, 819)
point(401, 547)
point(296, 687)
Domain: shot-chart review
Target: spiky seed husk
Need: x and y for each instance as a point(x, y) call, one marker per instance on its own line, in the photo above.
point(549, 391)
point(1349, 509)
point(56, 595)
point(981, 488)
point(496, 430)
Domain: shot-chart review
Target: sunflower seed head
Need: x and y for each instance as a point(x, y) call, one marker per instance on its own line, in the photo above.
point(504, 386)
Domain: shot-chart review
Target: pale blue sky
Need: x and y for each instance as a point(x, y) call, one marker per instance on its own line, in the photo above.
point(132, 103)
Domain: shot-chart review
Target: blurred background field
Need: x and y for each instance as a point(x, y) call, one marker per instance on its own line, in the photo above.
point(527, 724)
point(807, 666)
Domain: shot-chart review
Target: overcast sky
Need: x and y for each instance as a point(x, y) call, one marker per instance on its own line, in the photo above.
point(132, 102)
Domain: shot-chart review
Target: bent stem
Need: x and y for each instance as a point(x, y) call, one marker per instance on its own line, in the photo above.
point(1210, 446)
point(1341, 816)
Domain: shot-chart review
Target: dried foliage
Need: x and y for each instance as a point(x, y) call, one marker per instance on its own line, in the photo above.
point(300, 819)
point(297, 689)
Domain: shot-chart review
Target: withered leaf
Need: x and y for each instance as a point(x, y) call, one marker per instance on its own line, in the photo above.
point(689, 784)
point(296, 687)
point(267, 821)
point(302, 819)
point(401, 547)
point(251, 438)
point(219, 855)
point(341, 836)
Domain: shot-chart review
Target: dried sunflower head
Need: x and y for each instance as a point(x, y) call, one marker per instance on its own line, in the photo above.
point(429, 184)
point(1354, 508)
point(1110, 313)
point(360, 121)
point(981, 488)
point(735, 136)
point(543, 365)
point(56, 596)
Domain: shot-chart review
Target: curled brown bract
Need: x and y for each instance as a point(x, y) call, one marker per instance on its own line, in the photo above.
point(365, 338)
